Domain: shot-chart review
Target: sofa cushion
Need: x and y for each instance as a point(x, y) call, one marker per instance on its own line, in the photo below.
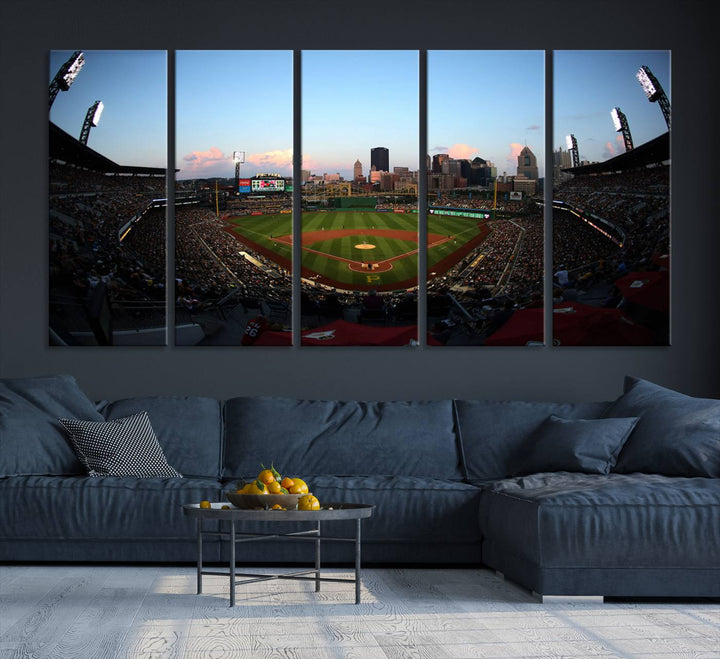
point(32, 441)
point(566, 520)
point(408, 509)
point(189, 429)
point(313, 437)
point(677, 435)
point(590, 446)
point(101, 509)
point(121, 447)
point(493, 433)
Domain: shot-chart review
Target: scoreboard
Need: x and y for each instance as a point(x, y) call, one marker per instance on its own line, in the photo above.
point(268, 185)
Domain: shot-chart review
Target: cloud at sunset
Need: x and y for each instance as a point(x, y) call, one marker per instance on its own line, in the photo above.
point(199, 161)
point(277, 159)
point(462, 151)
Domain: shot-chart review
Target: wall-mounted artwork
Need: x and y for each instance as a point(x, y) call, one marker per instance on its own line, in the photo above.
point(611, 208)
point(233, 197)
point(360, 246)
point(107, 197)
point(486, 168)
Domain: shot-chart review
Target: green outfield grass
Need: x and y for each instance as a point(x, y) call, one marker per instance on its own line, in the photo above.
point(268, 232)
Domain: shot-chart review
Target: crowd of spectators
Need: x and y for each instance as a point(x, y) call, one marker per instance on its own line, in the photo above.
point(209, 264)
point(87, 211)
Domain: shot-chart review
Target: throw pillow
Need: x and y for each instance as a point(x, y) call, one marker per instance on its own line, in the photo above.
point(677, 435)
point(590, 446)
point(121, 447)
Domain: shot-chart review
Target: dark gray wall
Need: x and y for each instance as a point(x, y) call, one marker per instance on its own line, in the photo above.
point(30, 29)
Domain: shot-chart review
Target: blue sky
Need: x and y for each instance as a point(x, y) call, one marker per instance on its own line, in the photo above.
point(233, 101)
point(587, 85)
point(355, 100)
point(488, 104)
point(132, 84)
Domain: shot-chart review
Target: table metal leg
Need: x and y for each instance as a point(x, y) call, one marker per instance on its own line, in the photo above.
point(357, 561)
point(200, 556)
point(317, 560)
point(232, 562)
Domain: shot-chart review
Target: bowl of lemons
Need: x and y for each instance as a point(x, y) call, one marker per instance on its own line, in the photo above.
point(272, 491)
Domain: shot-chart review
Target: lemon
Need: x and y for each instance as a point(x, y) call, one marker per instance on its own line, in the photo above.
point(299, 487)
point(308, 502)
point(205, 504)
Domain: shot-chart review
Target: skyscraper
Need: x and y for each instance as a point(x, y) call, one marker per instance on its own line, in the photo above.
point(527, 164)
point(380, 157)
point(357, 171)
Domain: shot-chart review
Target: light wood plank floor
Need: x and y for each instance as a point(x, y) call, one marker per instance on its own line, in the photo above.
point(96, 612)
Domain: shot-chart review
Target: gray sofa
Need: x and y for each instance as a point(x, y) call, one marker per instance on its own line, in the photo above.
point(448, 478)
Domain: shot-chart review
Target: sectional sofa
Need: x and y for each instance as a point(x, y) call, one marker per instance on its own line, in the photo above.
point(615, 498)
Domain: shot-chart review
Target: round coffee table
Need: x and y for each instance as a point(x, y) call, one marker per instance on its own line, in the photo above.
point(330, 512)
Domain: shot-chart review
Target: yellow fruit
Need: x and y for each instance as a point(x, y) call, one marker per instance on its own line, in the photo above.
point(308, 502)
point(299, 487)
point(205, 504)
point(277, 506)
point(256, 487)
point(225, 507)
point(287, 482)
point(274, 487)
point(266, 476)
point(245, 489)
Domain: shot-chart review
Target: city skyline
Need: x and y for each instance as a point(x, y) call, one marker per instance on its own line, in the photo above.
point(473, 107)
point(480, 103)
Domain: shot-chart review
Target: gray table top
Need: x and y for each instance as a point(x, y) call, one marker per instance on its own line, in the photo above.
point(329, 511)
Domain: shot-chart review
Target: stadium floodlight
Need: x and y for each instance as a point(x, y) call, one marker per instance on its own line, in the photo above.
point(654, 91)
point(66, 75)
point(238, 159)
point(573, 149)
point(92, 118)
point(621, 126)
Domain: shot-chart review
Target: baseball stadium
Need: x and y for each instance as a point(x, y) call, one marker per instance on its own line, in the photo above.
point(360, 250)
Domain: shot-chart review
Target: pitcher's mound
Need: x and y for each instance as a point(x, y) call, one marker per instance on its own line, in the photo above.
point(365, 246)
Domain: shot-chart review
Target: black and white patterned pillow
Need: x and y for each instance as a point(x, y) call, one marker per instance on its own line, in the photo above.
point(121, 447)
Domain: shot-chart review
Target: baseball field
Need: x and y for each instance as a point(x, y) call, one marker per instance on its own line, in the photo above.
point(360, 250)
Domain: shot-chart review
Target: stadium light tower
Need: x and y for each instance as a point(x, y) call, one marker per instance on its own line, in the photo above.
point(92, 119)
point(66, 75)
point(654, 91)
point(238, 159)
point(621, 126)
point(573, 149)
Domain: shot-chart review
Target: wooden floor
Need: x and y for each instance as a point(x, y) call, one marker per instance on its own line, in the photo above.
point(97, 612)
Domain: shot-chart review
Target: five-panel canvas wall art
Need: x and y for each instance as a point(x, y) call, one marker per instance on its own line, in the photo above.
point(190, 213)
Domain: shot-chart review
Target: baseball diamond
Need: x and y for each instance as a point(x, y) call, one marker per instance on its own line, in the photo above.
point(360, 250)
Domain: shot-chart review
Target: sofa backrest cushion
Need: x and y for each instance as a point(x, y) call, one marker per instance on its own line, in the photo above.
point(32, 440)
point(677, 435)
point(189, 429)
point(493, 433)
point(314, 437)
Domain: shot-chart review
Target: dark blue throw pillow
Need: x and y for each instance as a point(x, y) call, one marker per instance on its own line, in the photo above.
point(590, 446)
point(677, 435)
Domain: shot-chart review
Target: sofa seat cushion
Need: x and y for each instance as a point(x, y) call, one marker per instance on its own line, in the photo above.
point(32, 441)
point(103, 509)
point(315, 437)
point(189, 429)
point(407, 508)
point(570, 520)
